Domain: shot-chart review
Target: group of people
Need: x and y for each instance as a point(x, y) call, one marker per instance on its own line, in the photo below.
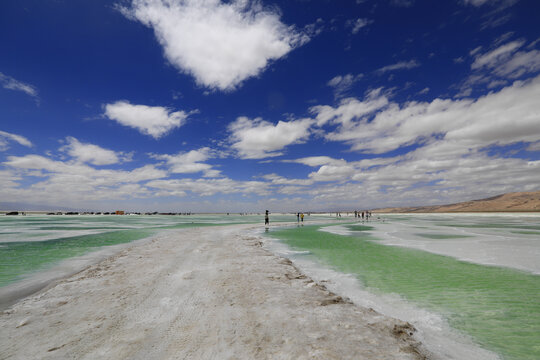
point(364, 214)
point(299, 218)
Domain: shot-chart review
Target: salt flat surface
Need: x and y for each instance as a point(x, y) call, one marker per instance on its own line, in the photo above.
point(508, 240)
point(436, 335)
point(200, 293)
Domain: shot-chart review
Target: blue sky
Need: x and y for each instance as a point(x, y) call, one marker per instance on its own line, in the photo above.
point(184, 105)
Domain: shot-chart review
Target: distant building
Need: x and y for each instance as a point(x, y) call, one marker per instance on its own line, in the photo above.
point(119, 212)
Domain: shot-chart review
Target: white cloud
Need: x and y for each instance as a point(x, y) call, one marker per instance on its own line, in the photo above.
point(220, 43)
point(496, 66)
point(73, 183)
point(377, 125)
point(190, 162)
point(155, 121)
point(495, 56)
point(256, 139)
point(12, 84)
point(276, 179)
point(82, 171)
point(358, 24)
point(496, 83)
point(342, 84)
point(496, 20)
point(333, 173)
point(318, 161)
point(441, 172)
point(350, 109)
point(402, 65)
point(475, 51)
point(501, 4)
point(6, 137)
point(92, 154)
point(208, 187)
point(212, 173)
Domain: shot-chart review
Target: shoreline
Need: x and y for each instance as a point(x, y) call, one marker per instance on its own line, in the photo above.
point(198, 293)
point(33, 284)
point(437, 337)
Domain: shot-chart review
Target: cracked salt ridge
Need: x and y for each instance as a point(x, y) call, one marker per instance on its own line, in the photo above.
point(199, 293)
point(42, 279)
point(438, 339)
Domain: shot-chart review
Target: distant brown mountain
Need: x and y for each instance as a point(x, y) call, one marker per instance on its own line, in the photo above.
point(518, 201)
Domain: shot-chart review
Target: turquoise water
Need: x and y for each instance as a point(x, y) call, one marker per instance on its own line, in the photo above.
point(24, 257)
point(498, 307)
point(31, 244)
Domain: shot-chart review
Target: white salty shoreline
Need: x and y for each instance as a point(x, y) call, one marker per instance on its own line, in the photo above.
point(199, 293)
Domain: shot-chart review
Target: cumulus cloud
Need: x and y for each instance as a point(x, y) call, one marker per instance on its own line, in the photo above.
point(377, 125)
point(72, 183)
point(497, 66)
point(506, 62)
point(221, 44)
point(93, 154)
point(402, 65)
point(257, 138)
point(318, 161)
point(440, 172)
point(12, 84)
point(81, 171)
point(276, 179)
point(6, 137)
point(190, 162)
point(350, 108)
point(155, 121)
point(333, 173)
point(207, 187)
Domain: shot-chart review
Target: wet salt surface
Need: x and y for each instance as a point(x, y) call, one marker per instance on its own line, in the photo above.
point(502, 240)
point(507, 240)
point(34, 282)
point(199, 293)
point(437, 337)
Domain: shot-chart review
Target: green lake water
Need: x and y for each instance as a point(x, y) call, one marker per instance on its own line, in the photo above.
point(499, 308)
point(32, 244)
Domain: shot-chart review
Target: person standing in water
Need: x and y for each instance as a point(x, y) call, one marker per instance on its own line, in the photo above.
point(266, 219)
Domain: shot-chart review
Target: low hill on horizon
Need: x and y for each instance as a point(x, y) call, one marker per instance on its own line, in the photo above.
point(517, 201)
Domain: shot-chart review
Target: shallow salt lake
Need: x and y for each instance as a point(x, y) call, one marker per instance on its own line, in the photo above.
point(510, 240)
point(470, 283)
point(36, 243)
